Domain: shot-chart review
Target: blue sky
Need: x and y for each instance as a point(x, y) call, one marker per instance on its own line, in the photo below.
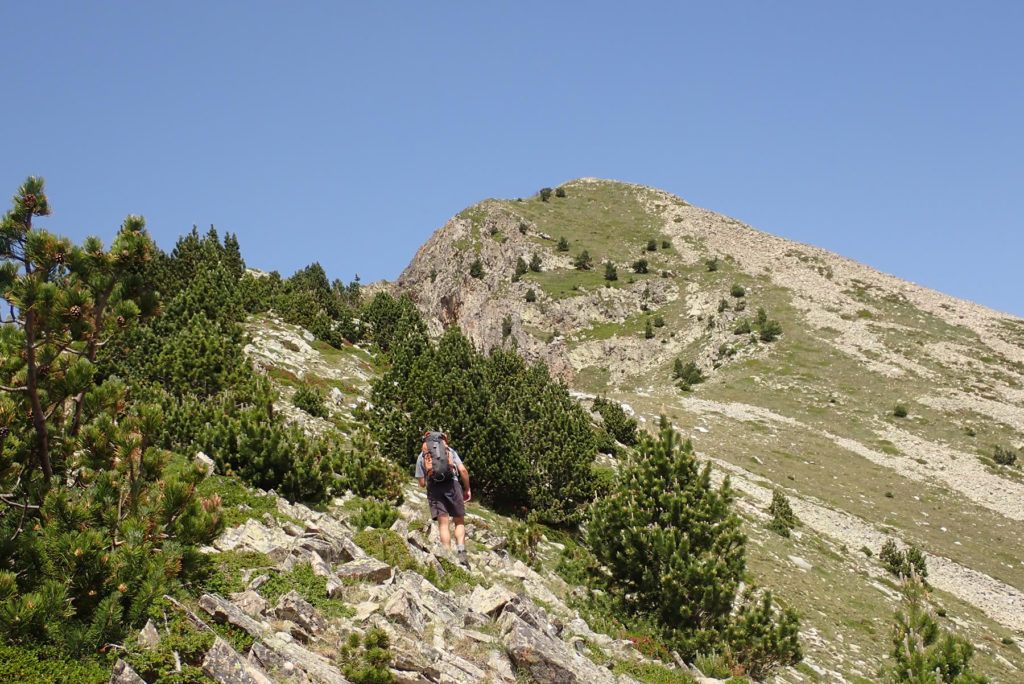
point(346, 133)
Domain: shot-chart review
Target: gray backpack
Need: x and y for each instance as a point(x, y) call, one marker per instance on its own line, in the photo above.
point(437, 457)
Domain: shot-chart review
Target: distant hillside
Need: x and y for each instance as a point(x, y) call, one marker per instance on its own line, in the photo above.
point(878, 410)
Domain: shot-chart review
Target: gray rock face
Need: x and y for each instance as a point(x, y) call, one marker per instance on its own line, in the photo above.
point(149, 638)
point(251, 603)
point(547, 659)
point(293, 607)
point(124, 674)
point(367, 569)
point(225, 665)
point(489, 601)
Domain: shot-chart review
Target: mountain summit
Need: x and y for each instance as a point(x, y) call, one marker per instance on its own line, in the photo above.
point(881, 409)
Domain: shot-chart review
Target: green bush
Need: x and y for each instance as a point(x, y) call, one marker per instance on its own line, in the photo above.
point(770, 330)
point(366, 660)
point(1006, 457)
point(762, 640)
point(563, 244)
point(737, 290)
point(688, 374)
point(659, 321)
point(903, 564)
point(521, 269)
point(669, 544)
point(559, 192)
point(545, 194)
point(922, 652)
point(583, 261)
point(900, 410)
point(524, 538)
point(375, 513)
point(531, 296)
point(310, 398)
point(640, 266)
point(652, 245)
point(536, 264)
point(648, 330)
point(783, 519)
point(666, 244)
point(616, 422)
point(476, 269)
point(610, 272)
point(742, 327)
point(711, 264)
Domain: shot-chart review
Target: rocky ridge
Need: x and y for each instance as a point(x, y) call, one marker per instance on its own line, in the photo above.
point(508, 621)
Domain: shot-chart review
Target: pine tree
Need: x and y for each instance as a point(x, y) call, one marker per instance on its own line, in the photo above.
point(563, 244)
point(670, 542)
point(922, 652)
point(535, 263)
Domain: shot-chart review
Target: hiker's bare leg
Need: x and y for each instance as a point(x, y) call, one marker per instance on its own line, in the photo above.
point(460, 531)
point(446, 534)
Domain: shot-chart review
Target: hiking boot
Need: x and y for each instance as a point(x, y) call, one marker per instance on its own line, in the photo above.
point(460, 553)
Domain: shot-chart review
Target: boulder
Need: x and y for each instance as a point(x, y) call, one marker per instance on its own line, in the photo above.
point(402, 608)
point(149, 638)
point(489, 601)
point(251, 603)
point(293, 607)
point(369, 569)
point(547, 659)
point(205, 463)
point(124, 674)
point(225, 665)
point(223, 610)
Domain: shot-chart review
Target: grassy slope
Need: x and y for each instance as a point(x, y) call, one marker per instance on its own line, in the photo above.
point(803, 377)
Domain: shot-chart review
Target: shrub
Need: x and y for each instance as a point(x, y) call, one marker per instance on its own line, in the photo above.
point(559, 192)
point(545, 194)
point(506, 326)
point(666, 244)
point(610, 272)
point(770, 330)
point(583, 261)
point(376, 514)
point(760, 640)
point(742, 327)
point(903, 564)
point(922, 651)
point(723, 304)
point(669, 548)
point(476, 269)
point(687, 374)
point(783, 519)
point(523, 539)
point(640, 266)
point(310, 398)
point(1006, 457)
point(652, 245)
point(523, 227)
point(535, 263)
point(367, 662)
point(616, 422)
point(712, 264)
point(659, 321)
point(531, 296)
point(521, 269)
point(899, 410)
point(737, 290)
point(648, 330)
point(563, 244)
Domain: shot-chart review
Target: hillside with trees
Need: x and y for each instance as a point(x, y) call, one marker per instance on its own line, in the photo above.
point(197, 458)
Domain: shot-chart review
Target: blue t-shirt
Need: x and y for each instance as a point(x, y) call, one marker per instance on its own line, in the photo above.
point(421, 471)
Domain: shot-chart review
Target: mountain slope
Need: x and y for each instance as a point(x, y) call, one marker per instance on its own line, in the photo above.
point(812, 413)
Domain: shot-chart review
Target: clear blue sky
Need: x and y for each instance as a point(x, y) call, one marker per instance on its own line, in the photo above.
point(346, 133)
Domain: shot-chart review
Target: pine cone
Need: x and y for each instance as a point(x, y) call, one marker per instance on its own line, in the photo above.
point(29, 200)
point(120, 321)
point(43, 370)
point(59, 258)
point(4, 431)
point(75, 311)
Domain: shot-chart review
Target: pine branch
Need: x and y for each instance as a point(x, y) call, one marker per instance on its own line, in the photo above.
point(5, 388)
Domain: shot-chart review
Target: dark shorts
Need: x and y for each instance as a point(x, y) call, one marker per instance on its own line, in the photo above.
point(446, 500)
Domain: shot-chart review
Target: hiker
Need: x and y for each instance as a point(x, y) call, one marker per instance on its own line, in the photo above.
point(436, 467)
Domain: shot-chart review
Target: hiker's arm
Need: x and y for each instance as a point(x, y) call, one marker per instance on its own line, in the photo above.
point(464, 476)
point(423, 482)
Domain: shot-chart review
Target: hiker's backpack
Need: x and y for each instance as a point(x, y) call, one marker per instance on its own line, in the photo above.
point(437, 457)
